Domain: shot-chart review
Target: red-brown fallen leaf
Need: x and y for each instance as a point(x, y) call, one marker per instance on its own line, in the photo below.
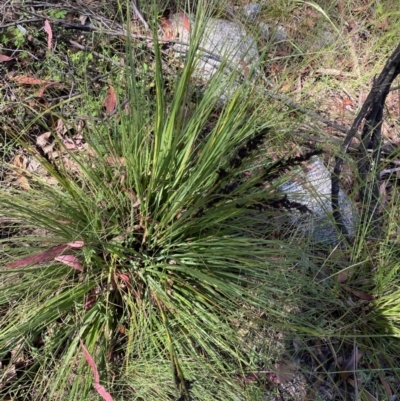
point(185, 20)
point(123, 277)
point(46, 256)
point(89, 303)
point(43, 257)
point(71, 261)
point(125, 281)
point(21, 79)
point(96, 378)
point(49, 32)
point(41, 92)
point(111, 100)
point(385, 383)
point(34, 81)
point(4, 58)
point(359, 294)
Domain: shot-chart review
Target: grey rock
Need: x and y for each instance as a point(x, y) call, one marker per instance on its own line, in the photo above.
point(251, 10)
point(264, 30)
point(222, 41)
point(280, 34)
point(312, 188)
point(224, 44)
point(324, 39)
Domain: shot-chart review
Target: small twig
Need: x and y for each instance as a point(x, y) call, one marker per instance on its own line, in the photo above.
point(334, 72)
point(100, 77)
point(69, 96)
point(389, 171)
point(139, 15)
point(98, 55)
point(24, 21)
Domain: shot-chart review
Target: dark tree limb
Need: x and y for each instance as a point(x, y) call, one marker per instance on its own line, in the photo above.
point(371, 113)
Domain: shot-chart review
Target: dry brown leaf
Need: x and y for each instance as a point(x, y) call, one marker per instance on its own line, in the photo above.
point(132, 196)
point(21, 79)
point(47, 146)
point(60, 129)
point(83, 19)
point(359, 294)
point(185, 20)
point(342, 277)
point(43, 257)
point(351, 363)
point(49, 32)
point(34, 81)
point(96, 377)
point(115, 161)
point(23, 183)
point(41, 91)
point(43, 139)
point(111, 100)
point(245, 68)
point(49, 255)
point(70, 260)
point(4, 58)
point(383, 24)
point(76, 244)
point(21, 163)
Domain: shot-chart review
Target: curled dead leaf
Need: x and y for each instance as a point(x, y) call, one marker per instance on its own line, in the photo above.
point(71, 261)
point(43, 140)
point(359, 294)
point(96, 377)
point(21, 163)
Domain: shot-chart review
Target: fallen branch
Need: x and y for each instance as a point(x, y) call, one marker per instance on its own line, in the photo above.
point(371, 113)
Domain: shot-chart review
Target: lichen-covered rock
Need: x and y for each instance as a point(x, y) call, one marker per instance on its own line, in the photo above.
point(251, 10)
point(280, 34)
point(311, 187)
point(223, 43)
point(264, 30)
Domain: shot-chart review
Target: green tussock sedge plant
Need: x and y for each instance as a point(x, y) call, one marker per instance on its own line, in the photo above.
point(183, 279)
point(176, 260)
